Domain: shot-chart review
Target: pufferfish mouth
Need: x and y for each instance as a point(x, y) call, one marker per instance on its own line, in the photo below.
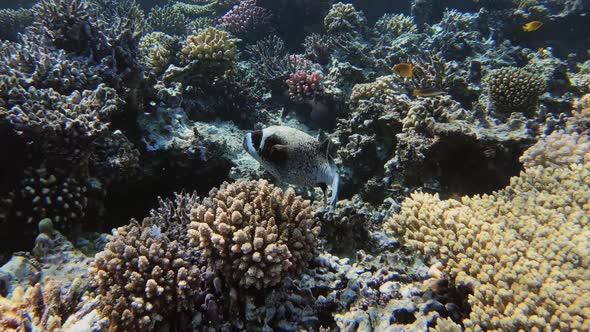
point(247, 144)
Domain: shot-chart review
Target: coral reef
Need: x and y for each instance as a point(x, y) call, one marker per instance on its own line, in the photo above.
point(253, 234)
point(157, 51)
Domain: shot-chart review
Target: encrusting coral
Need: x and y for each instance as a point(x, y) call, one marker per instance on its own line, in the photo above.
point(513, 89)
point(522, 250)
point(254, 234)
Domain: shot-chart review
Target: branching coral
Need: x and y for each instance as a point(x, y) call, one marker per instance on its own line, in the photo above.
point(72, 25)
point(45, 112)
point(142, 276)
point(254, 234)
point(270, 60)
point(29, 63)
point(156, 51)
point(304, 86)
point(168, 20)
point(394, 25)
point(42, 307)
point(523, 250)
point(384, 90)
point(344, 18)
point(513, 89)
point(244, 18)
point(114, 158)
point(558, 149)
point(210, 44)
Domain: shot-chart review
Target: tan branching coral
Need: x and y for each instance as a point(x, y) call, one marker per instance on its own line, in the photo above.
point(254, 234)
point(210, 45)
point(524, 249)
point(42, 307)
point(156, 51)
point(142, 275)
point(514, 89)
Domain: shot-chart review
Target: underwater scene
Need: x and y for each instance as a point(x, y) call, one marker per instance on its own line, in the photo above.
point(294, 165)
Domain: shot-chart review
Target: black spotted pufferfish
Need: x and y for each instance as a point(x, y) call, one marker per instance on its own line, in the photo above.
point(294, 157)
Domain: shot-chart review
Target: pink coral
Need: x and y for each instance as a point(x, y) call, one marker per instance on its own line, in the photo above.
point(304, 86)
point(245, 17)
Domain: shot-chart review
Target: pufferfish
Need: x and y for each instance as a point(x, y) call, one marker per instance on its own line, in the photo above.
point(294, 157)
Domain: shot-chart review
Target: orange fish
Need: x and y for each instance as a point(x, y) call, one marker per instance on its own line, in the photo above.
point(532, 26)
point(404, 69)
point(427, 92)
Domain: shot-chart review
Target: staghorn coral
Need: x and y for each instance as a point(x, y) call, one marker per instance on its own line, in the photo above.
point(128, 10)
point(394, 25)
point(156, 51)
point(254, 234)
point(14, 22)
point(41, 307)
point(142, 276)
point(210, 45)
point(245, 18)
point(512, 89)
point(168, 20)
point(270, 61)
point(522, 250)
point(344, 18)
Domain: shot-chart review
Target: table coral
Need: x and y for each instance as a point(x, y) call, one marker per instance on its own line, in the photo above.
point(254, 234)
point(523, 250)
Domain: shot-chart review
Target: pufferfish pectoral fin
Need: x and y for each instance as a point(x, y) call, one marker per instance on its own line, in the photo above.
point(325, 191)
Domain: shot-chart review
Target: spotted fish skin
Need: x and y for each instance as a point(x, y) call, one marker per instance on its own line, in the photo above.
point(294, 157)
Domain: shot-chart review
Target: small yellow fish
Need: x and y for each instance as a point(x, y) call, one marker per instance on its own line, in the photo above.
point(404, 69)
point(532, 26)
point(427, 92)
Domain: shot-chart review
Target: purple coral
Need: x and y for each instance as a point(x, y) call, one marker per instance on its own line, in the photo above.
point(244, 18)
point(304, 86)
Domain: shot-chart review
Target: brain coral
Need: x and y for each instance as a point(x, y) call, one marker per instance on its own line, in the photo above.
point(210, 45)
point(254, 234)
point(142, 275)
point(514, 89)
point(523, 250)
